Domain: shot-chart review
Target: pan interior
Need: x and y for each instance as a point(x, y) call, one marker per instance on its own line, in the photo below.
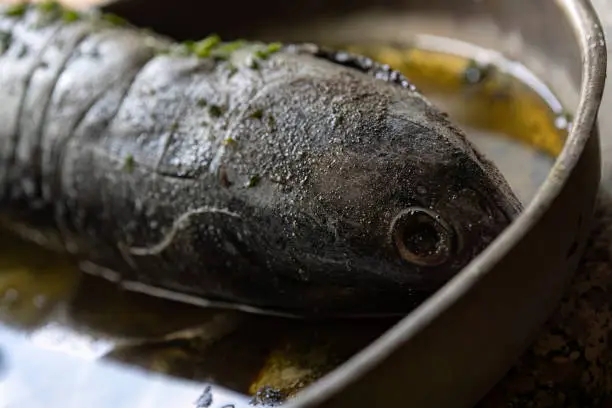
point(512, 116)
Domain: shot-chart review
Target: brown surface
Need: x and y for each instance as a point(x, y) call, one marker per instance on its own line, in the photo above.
point(570, 364)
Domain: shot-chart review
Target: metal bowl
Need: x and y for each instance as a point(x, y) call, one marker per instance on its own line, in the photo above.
point(458, 344)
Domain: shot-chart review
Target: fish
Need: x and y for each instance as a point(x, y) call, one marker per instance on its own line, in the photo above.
point(287, 179)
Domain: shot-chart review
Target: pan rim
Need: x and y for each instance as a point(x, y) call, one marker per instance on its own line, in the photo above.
point(590, 38)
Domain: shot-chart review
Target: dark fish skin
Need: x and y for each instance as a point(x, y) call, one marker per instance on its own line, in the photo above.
point(283, 182)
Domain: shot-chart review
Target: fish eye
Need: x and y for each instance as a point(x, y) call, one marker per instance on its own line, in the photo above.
point(422, 237)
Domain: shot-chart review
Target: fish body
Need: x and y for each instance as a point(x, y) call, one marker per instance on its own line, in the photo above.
point(286, 179)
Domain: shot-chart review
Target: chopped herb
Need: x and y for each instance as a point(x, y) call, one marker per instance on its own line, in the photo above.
point(271, 121)
point(253, 181)
point(114, 19)
point(70, 16)
point(215, 110)
point(232, 70)
point(190, 44)
point(128, 164)
point(203, 48)
point(269, 50)
point(174, 126)
point(253, 64)
point(258, 114)
point(16, 10)
point(230, 141)
point(202, 103)
point(224, 51)
point(274, 47)
point(231, 46)
point(5, 41)
point(49, 6)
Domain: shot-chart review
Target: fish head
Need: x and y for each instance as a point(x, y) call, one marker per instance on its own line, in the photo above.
point(409, 201)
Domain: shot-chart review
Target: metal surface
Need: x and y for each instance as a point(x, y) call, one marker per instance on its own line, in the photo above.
point(451, 350)
point(458, 344)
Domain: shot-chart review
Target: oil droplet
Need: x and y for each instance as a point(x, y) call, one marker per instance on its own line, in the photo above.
point(562, 122)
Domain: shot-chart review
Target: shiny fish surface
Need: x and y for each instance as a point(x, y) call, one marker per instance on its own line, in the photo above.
point(270, 178)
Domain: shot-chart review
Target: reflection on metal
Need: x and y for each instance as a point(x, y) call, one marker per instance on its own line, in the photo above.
point(37, 378)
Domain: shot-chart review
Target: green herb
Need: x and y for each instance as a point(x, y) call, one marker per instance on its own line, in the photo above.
point(269, 50)
point(202, 103)
point(5, 41)
point(128, 164)
point(49, 6)
point(271, 121)
point(203, 48)
point(16, 10)
point(258, 114)
point(215, 111)
point(253, 181)
point(274, 47)
point(232, 70)
point(70, 16)
point(230, 141)
point(224, 51)
point(253, 64)
point(231, 46)
point(114, 19)
point(174, 126)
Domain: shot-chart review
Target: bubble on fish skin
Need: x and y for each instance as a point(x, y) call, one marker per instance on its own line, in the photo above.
point(10, 296)
point(39, 301)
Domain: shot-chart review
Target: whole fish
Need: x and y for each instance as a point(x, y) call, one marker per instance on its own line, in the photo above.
point(272, 178)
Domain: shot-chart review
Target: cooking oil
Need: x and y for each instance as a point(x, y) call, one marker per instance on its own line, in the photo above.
point(511, 115)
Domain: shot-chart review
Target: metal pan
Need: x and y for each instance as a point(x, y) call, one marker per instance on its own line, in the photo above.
point(458, 344)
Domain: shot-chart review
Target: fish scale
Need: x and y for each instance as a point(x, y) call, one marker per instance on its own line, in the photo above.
point(263, 177)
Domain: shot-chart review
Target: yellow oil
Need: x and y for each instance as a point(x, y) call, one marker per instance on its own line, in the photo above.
point(504, 98)
point(510, 115)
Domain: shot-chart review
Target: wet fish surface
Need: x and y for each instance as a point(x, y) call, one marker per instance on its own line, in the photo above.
point(265, 177)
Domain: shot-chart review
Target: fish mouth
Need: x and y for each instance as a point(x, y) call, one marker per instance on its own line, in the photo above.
point(507, 209)
point(476, 230)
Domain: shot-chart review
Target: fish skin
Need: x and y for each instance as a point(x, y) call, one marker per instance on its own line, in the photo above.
point(270, 183)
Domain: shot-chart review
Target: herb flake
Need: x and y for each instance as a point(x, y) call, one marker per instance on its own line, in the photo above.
point(128, 164)
point(230, 141)
point(269, 50)
point(215, 111)
point(114, 19)
point(70, 16)
point(203, 48)
point(253, 181)
point(257, 114)
point(16, 10)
